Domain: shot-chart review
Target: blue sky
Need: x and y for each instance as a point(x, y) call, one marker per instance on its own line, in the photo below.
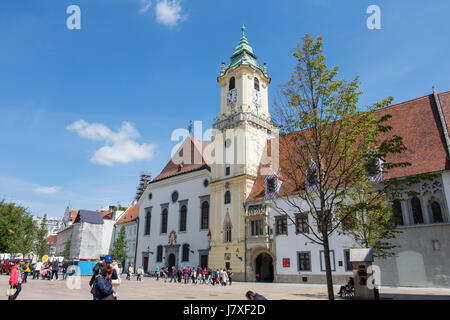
point(71, 101)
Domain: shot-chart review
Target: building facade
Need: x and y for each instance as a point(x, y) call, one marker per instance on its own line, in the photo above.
point(130, 221)
point(174, 224)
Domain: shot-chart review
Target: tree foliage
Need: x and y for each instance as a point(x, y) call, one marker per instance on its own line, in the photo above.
point(17, 229)
point(41, 246)
point(329, 144)
point(120, 246)
point(66, 252)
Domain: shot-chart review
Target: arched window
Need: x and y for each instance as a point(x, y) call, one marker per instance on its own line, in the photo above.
point(185, 252)
point(148, 219)
point(205, 216)
point(227, 229)
point(416, 210)
point(311, 176)
point(164, 220)
point(232, 84)
point(227, 197)
point(183, 218)
point(397, 208)
point(256, 81)
point(159, 253)
point(437, 212)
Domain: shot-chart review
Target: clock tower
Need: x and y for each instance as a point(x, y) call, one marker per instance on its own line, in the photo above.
point(238, 142)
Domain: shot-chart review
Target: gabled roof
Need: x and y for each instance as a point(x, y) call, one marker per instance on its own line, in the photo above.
point(131, 214)
point(416, 121)
point(92, 217)
point(182, 162)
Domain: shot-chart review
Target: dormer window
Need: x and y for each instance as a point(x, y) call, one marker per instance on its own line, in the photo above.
point(232, 84)
point(311, 175)
point(271, 185)
point(256, 82)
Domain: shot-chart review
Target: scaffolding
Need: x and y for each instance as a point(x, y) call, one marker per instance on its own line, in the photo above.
point(145, 179)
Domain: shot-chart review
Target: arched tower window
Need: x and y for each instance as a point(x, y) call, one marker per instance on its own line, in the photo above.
point(397, 208)
point(227, 229)
point(232, 84)
point(205, 216)
point(416, 210)
point(183, 218)
point(227, 197)
point(185, 252)
point(256, 81)
point(437, 212)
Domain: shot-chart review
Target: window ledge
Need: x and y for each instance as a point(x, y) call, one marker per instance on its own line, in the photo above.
point(423, 225)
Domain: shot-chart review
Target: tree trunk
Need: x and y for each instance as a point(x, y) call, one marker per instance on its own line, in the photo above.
point(326, 253)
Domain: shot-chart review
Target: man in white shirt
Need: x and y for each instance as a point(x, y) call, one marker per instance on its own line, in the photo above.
point(37, 269)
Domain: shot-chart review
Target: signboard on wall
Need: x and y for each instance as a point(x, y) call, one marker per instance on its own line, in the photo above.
point(286, 262)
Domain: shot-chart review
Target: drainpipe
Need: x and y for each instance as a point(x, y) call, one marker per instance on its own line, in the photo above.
point(137, 240)
point(441, 117)
point(245, 243)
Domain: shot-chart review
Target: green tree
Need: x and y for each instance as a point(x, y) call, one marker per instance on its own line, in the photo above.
point(369, 218)
point(328, 141)
point(41, 243)
point(17, 229)
point(66, 252)
point(120, 246)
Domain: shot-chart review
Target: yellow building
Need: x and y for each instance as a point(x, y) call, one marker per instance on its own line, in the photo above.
point(238, 141)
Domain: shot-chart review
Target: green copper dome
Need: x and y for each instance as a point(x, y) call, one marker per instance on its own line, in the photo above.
point(243, 54)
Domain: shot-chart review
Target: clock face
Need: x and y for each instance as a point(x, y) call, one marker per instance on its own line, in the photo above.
point(231, 96)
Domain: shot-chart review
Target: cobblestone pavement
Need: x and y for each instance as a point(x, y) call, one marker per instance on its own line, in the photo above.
point(150, 289)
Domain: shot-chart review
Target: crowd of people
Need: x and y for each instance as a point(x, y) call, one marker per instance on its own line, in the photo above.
point(186, 275)
point(106, 279)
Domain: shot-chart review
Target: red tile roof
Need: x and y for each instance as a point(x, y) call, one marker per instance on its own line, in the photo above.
point(182, 162)
point(416, 121)
point(131, 214)
point(74, 215)
point(51, 240)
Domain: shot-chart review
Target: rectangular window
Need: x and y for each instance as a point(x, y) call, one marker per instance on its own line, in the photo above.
point(304, 261)
point(159, 254)
point(322, 261)
point(281, 225)
point(227, 171)
point(148, 219)
point(164, 217)
point(348, 265)
point(257, 227)
point(301, 223)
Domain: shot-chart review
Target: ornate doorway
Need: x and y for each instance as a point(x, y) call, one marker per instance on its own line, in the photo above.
point(171, 261)
point(264, 268)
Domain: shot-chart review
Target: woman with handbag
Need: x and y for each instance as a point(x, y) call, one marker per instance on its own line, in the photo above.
point(15, 281)
point(102, 287)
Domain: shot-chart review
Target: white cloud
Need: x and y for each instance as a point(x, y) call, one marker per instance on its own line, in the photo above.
point(145, 5)
point(120, 148)
point(47, 190)
point(168, 12)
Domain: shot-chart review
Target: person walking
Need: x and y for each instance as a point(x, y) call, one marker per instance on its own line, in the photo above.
point(140, 273)
point(158, 271)
point(104, 261)
point(172, 274)
point(26, 271)
point(130, 272)
point(102, 288)
point(38, 268)
point(186, 275)
point(55, 269)
point(230, 275)
point(224, 277)
point(15, 279)
point(115, 282)
point(65, 266)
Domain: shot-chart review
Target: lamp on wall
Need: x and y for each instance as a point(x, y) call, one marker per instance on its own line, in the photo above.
point(237, 254)
point(148, 251)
